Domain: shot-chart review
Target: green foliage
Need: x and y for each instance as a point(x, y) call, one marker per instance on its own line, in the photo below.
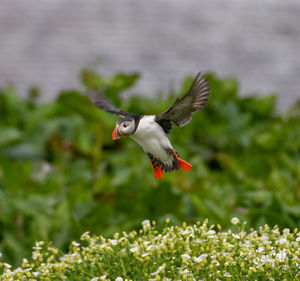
point(197, 252)
point(61, 174)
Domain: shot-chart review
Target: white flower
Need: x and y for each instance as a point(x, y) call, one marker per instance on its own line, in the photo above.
point(226, 274)
point(256, 260)
point(184, 232)
point(7, 265)
point(146, 225)
point(276, 231)
point(36, 247)
point(119, 279)
point(281, 256)
point(149, 247)
point(235, 221)
point(34, 256)
point(185, 257)
point(184, 271)
point(134, 249)
point(84, 234)
point(260, 249)
point(236, 236)
point(113, 241)
point(200, 258)
point(161, 268)
point(282, 241)
point(264, 259)
point(229, 245)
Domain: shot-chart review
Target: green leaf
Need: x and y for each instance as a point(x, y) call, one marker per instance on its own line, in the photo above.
point(9, 135)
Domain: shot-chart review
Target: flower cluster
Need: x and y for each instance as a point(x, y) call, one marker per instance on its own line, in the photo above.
point(195, 252)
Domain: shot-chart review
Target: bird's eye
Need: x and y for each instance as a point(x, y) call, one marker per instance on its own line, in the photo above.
point(125, 125)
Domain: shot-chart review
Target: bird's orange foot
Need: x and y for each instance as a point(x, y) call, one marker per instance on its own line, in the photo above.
point(158, 172)
point(183, 164)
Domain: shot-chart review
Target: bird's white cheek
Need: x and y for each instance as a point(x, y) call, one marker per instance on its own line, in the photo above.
point(130, 129)
point(126, 131)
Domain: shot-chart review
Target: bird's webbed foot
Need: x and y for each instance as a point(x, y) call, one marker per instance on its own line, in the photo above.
point(183, 164)
point(158, 172)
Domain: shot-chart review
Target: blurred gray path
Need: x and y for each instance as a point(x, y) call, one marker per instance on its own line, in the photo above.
point(46, 43)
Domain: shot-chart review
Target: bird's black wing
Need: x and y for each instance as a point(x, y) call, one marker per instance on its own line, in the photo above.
point(182, 110)
point(102, 102)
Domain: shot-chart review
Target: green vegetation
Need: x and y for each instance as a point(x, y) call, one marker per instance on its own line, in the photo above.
point(61, 174)
point(197, 252)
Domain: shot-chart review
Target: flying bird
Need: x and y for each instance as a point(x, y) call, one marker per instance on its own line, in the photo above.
point(150, 131)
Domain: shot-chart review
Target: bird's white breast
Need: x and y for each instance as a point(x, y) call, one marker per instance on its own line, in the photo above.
point(152, 138)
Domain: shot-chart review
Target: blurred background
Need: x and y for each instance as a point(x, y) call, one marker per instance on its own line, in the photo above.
point(47, 43)
point(60, 172)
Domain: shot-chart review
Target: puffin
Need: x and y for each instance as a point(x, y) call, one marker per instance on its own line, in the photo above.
point(151, 131)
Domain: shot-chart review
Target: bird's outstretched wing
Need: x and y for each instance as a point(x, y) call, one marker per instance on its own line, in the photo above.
point(182, 110)
point(102, 102)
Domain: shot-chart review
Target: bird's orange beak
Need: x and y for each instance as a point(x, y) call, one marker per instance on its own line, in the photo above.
point(116, 133)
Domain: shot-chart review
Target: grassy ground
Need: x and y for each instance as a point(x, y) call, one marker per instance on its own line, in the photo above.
point(195, 252)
